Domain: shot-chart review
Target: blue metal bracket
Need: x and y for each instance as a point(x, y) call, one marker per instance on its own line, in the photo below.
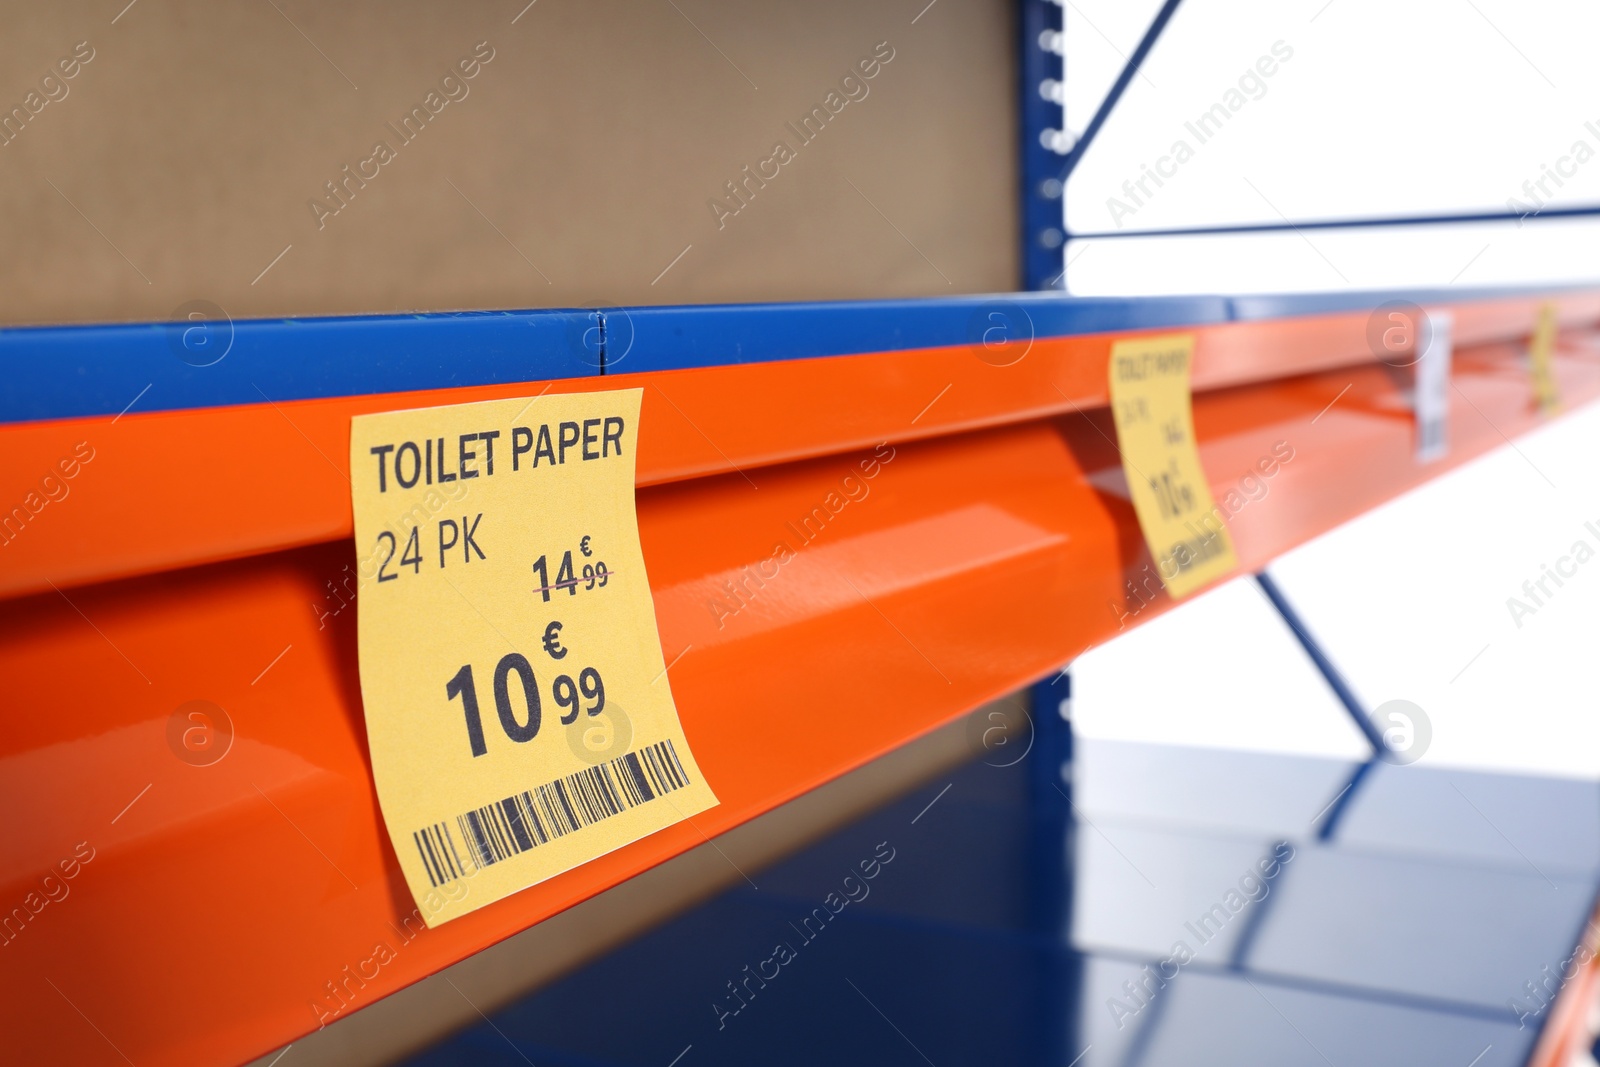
point(1043, 138)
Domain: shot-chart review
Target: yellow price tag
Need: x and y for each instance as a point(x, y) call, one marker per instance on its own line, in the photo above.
point(1545, 389)
point(1155, 432)
point(518, 710)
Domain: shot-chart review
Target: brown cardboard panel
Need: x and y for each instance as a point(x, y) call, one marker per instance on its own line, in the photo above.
point(575, 167)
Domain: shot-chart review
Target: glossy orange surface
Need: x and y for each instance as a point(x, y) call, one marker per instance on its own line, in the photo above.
point(1574, 1022)
point(226, 909)
point(287, 484)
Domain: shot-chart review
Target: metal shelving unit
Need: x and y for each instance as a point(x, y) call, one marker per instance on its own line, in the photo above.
point(213, 561)
point(220, 535)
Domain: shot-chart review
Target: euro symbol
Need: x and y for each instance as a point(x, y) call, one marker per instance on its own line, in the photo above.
point(552, 641)
point(583, 546)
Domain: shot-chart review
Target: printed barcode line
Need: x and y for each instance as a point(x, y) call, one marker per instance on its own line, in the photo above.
point(1190, 554)
point(533, 817)
point(439, 854)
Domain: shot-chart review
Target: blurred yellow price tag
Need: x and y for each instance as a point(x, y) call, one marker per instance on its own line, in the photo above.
point(1155, 433)
point(518, 709)
point(1545, 389)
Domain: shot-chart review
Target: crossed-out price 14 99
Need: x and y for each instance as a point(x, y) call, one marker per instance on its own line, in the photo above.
point(594, 575)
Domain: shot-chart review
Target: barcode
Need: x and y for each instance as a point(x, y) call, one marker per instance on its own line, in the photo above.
point(1190, 554)
point(523, 820)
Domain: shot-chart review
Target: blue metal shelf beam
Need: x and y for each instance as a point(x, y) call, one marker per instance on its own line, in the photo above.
point(57, 372)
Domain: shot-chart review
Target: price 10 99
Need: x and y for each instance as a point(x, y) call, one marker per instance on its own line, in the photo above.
point(568, 694)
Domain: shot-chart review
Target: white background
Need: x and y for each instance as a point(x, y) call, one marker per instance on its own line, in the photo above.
point(1421, 108)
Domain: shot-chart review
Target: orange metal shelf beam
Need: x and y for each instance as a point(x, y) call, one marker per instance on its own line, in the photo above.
point(226, 907)
point(273, 476)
